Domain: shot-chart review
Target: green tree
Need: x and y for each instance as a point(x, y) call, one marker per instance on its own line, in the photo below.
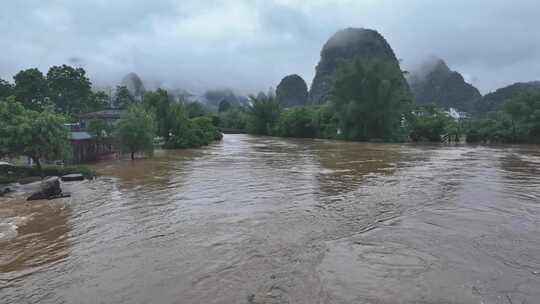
point(327, 122)
point(6, 89)
point(136, 131)
point(159, 103)
point(179, 128)
point(192, 133)
point(516, 121)
point(298, 122)
point(31, 89)
point(181, 125)
point(430, 123)
point(123, 98)
point(98, 101)
point(235, 118)
point(204, 130)
point(524, 113)
point(263, 114)
point(40, 136)
point(69, 89)
point(370, 99)
point(14, 122)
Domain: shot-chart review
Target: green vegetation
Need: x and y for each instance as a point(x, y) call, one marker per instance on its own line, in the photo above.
point(69, 89)
point(430, 124)
point(493, 102)
point(359, 93)
point(31, 89)
point(123, 98)
point(370, 100)
point(36, 107)
point(234, 118)
point(346, 45)
point(6, 89)
point(263, 115)
point(64, 88)
point(298, 122)
point(36, 135)
point(516, 121)
point(181, 125)
point(136, 131)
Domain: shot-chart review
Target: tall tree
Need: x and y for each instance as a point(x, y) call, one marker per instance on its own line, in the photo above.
point(159, 103)
point(6, 89)
point(136, 131)
point(123, 98)
point(524, 113)
point(371, 99)
point(69, 89)
point(263, 114)
point(36, 135)
point(98, 101)
point(31, 89)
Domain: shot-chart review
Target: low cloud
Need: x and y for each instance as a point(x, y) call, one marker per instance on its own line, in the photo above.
point(250, 45)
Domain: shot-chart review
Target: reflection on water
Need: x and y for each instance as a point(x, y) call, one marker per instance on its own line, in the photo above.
point(267, 220)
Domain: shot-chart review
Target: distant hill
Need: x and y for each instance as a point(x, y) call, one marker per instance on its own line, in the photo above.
point(213, 98)
point(434, 82)
point(292, 91)
point(493, 101)
point(134, 84)
point(346, 45)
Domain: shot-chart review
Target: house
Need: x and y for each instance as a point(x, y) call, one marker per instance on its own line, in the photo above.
point(88, 147)
point(110, 116)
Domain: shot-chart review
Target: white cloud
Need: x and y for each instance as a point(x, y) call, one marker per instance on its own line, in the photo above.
point(251, 44)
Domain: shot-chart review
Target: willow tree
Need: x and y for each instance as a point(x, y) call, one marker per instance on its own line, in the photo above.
point(371, 99)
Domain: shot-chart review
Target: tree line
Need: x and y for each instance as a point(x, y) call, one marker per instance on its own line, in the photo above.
point(369, 101)
point(36, 110)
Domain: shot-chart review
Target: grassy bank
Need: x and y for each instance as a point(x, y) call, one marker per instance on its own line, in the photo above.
point(11, 174)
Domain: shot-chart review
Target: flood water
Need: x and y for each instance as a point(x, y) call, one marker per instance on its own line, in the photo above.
point(267, 220)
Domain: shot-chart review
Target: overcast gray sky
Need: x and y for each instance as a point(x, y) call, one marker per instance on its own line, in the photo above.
point(250, 45)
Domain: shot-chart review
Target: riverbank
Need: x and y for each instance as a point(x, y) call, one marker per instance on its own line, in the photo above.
point(23, 174)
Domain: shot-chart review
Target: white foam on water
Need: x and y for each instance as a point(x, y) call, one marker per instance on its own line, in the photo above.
point(9, 227)
point(8, 231)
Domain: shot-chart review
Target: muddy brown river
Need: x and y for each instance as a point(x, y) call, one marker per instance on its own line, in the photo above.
point(267, 220)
